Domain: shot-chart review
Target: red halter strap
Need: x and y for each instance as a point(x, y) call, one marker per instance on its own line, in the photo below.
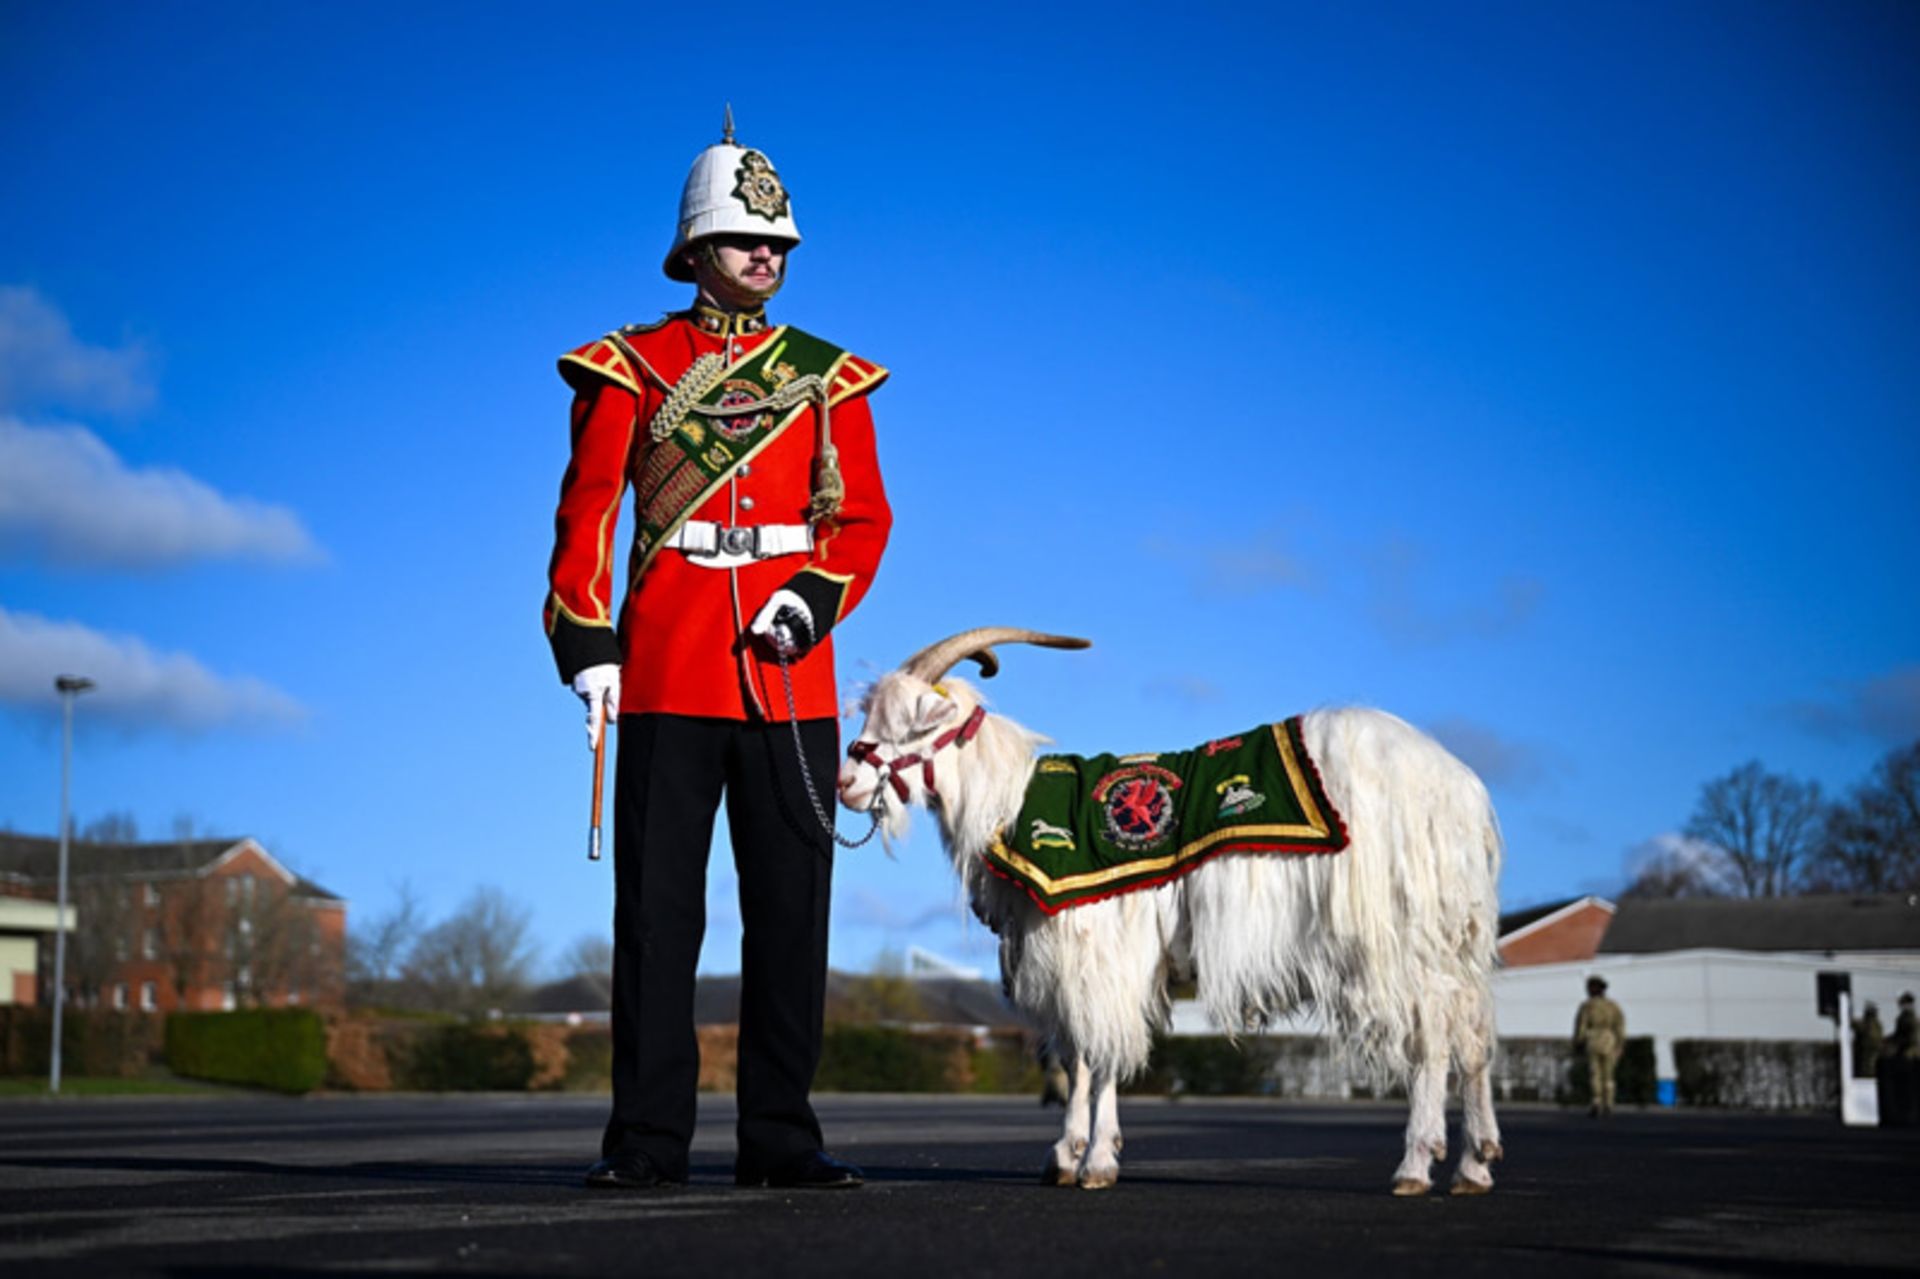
point(865, 752)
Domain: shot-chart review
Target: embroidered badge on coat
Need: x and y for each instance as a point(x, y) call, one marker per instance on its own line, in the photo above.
point(738, 427)
point(758, 187)
point(1045, 834)
point(1237, 796)
point(1137, 804)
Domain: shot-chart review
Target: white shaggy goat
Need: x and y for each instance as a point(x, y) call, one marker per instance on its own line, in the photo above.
point(1391, 940)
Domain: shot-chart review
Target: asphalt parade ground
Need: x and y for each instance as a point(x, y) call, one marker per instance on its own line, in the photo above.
point(491, 1186)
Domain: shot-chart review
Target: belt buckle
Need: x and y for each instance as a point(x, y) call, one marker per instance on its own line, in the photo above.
point(740, 541)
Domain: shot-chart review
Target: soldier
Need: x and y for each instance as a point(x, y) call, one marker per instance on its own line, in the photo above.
point(1905, 1043)
point(1869, 1037)
point(759, 523)
point(1600, 1029)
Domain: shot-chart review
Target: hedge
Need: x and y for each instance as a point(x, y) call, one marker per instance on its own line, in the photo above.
point(883, 1059)
point(284, 1049)
point(467, 1058)
point(1758, 1074)
point(96, 1042)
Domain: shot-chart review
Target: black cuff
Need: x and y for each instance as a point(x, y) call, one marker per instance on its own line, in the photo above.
point(576, 647)
point(823, 596)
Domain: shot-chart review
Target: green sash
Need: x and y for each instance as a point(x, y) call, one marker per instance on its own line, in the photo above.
point(718, 416)
point(1093, 826)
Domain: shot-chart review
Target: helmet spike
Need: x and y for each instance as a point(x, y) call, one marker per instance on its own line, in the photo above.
point(726, 133)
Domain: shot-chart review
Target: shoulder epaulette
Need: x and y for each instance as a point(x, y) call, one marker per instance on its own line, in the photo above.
point(599, 360)
point(853, 376)
point(628, 330)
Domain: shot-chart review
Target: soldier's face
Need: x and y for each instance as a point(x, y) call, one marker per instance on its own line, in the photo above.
point(741, 270)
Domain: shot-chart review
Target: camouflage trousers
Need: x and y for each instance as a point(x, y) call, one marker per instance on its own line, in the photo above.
point(1600, 1074)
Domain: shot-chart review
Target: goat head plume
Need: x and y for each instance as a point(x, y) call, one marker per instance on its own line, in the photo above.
point(935, 660)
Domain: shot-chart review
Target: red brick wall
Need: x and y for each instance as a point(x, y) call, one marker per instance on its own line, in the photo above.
point(1573, 936)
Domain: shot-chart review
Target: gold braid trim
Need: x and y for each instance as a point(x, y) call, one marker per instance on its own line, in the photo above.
point(701, 377)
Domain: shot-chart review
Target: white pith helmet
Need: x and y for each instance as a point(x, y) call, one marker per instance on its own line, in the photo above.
point(730, 190)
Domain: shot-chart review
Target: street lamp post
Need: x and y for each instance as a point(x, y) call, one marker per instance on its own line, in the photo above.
point(70, 686)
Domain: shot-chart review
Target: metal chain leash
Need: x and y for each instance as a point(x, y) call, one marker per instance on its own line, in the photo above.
point(820, 812)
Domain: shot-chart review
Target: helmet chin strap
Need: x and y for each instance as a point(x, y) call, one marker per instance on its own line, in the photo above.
point(726, 292)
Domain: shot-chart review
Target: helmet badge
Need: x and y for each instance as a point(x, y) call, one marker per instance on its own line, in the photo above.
point(758, 187)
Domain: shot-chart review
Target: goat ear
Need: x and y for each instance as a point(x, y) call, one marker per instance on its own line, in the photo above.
point(932, 711)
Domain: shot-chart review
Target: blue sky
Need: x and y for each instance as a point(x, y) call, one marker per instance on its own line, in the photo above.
point(1545, 374)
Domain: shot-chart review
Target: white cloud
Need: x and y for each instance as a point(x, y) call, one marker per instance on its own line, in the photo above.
point(1238, 567)
point(1686, 865)
point(67, 497)
point(1405, 607)
point(1886, 707)
point(868, 909)
point(1500, 761)
point(1189, 690)
point(42, 362)
point(135, 686)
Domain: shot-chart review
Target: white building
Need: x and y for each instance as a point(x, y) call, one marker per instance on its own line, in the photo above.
point(1702, 969)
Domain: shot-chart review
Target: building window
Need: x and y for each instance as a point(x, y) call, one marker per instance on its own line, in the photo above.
point(229, 998)
point(149, 997)
point(150, 944)
point(151, 892)
point(120, 995)
point(119, 949)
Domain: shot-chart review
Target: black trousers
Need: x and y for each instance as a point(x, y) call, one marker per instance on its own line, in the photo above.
point(671, 773)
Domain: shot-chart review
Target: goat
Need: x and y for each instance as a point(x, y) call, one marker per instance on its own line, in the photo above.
point(1390, 940)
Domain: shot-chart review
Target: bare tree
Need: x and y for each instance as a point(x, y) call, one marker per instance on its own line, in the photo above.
point(107, 929)
point(1690, 870)
point(111, 828)
point(591, 954)
point(476, 959)
point(1766, 825)
point(277, 944)
point(377, 950)
point(1871, 840)
point(192, 920)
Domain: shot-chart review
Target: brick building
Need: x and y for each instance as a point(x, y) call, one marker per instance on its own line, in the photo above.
point(197, 924)
point(1555, 933)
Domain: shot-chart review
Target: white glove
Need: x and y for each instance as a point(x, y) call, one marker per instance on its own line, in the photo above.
point(599, 688)
point(780, 637)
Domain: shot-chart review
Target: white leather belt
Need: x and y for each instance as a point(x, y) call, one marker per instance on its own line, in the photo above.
point(712, 545)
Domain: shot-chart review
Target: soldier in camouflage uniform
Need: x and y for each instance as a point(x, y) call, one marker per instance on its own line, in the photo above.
point(1869, 1038)
point(1600, 1030)
point(1905, 1043)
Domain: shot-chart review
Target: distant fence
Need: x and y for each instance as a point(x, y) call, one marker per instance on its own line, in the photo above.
point(376, 1053)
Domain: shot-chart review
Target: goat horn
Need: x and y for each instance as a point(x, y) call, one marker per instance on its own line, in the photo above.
point(935, 660)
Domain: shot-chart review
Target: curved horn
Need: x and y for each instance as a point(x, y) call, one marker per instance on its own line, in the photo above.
point(935, 660)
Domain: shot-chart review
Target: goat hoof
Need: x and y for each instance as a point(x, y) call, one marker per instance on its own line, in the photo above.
point(1406, 1187)
point(1098, 1178)
point(1467, 1186)
point(1491, 1152)
point(1056, 1173)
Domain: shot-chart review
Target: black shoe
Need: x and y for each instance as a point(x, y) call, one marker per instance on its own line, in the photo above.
point(816, 1170)
point(629, 1172)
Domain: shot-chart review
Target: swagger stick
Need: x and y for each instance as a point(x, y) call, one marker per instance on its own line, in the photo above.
point(599, 780)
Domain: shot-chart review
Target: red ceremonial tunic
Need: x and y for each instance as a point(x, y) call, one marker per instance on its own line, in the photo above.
point(681, 639)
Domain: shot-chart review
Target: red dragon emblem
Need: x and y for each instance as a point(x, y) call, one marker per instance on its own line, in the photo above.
point(1137, 804)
